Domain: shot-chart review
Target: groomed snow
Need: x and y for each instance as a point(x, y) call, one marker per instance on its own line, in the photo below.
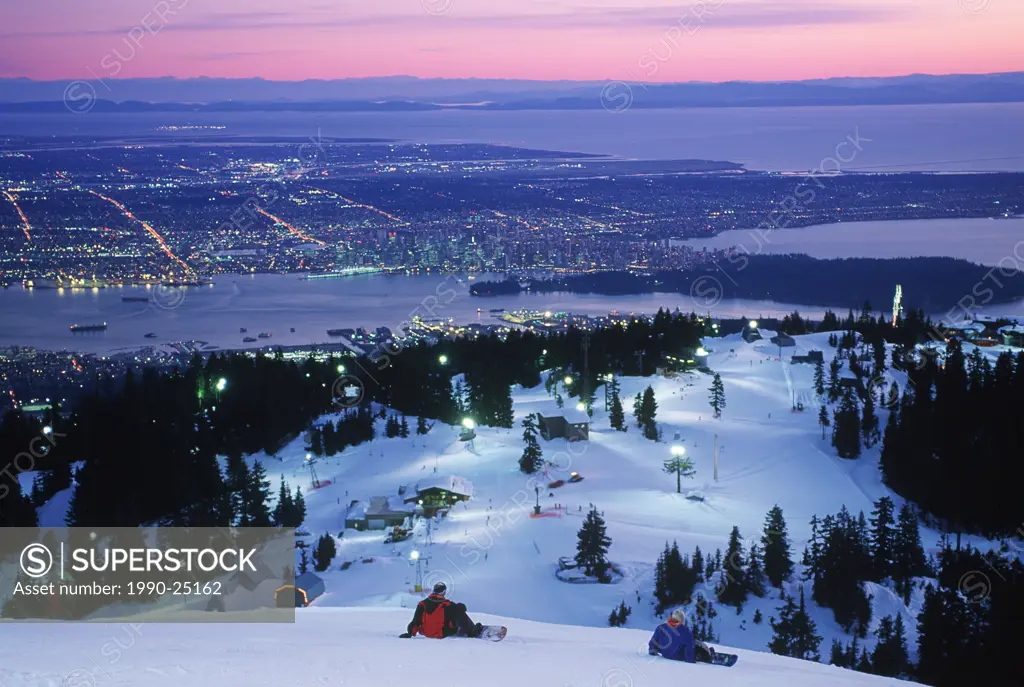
point(358, 647)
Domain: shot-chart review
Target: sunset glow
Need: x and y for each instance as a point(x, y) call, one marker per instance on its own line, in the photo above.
point(655, 40)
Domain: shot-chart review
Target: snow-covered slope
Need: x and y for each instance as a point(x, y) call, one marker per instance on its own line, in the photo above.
point(497, 559)
point(358, 646)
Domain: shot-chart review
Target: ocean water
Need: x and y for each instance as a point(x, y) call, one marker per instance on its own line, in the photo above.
point(996, 242)
point(969, 137)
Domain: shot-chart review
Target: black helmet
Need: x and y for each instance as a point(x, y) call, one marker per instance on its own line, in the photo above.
point(440, 588)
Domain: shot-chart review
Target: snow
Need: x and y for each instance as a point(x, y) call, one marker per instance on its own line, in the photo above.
point(450, 483)
point(359, 646)
point(497, 559)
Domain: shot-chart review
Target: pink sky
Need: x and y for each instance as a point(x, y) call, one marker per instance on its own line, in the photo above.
point(656, 40)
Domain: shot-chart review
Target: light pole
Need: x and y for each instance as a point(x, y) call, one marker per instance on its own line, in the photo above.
point(536, 509)
point(415, 556)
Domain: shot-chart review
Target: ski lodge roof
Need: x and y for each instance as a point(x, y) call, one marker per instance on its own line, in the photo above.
point(569, 412)
point(450, 483)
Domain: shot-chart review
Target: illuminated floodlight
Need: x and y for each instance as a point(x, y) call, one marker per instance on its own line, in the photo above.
point(580, 407)
point(753, 324)
point(341, 369)
point(568, 380)
point(701, 351)
point(415, 555)
point(678, 450)
point(443, 359)
point(222, 384)
point(468, 423)
point(47, 430)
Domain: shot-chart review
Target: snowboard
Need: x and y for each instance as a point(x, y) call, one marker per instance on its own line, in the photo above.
point(726, 660)
point(493, 633)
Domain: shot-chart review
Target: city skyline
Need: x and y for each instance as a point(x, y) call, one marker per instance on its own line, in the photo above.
point(650, 40)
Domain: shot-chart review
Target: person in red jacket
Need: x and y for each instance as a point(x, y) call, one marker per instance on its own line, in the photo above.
point(437, 617)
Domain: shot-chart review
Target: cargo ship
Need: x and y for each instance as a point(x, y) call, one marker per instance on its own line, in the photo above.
point(265, 335)
point(89, 327)
point(151, 335)
point(249, 339)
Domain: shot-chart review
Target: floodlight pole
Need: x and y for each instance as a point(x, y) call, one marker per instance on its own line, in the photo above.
point(716, 457)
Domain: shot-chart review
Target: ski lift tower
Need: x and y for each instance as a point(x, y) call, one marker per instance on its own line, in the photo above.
point(897, 304)
point(312, 470)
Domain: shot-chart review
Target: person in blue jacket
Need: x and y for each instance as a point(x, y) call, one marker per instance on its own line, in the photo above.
point(674, 640)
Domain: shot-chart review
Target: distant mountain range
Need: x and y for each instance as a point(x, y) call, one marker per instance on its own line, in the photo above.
point(411, 93)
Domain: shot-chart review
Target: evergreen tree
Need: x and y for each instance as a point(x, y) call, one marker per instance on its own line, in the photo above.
point(823, 420)
point(812, 554)
point(303, 561)
point(846, 429)
point(757, 616)
point(284, 507)
point(619, 615)
point(648, 412)
point(638, 414)
point(404, 429)
point(504, 416)
point(316, 442)
point(795, 634)
point(674, 579)
point(869, 421)
point(837, 656)
point(698, 564)
point(890, 655)
point(908, 559)
point(237, 484)
point(529, 462)
point(778, 565)
point(329, 439)
point(864, 662)
point(734, 585)
point(257, 493)
point(616, 417)
point(680, 466)
point(299, 508)
point(421, 425)
point(883, 538)
point(717, 395)
point(833, 380)
point(324, 553)
point(755, 572)
point(844, 562)
point(592, 546)
point(819, 378)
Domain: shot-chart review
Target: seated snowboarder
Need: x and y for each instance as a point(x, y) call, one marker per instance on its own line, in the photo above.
point(674, 640)
point(437, 617)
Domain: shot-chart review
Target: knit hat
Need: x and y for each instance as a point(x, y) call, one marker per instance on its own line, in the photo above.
point(440, 588)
